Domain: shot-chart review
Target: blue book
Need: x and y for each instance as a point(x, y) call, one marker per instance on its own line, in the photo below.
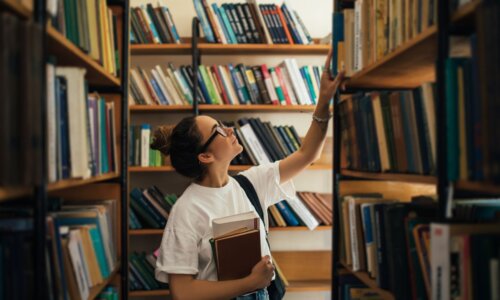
point(99, 252)
point(291, 25)
point(207, 30)
point(104, 141)
point(227, 25)
point(152, 24)
point(237, 86)
point(62, 91)
point(173, 28)
point(158, 91)
point(136, 194)
point(226, 12)
point(215, 8)
point(309, 84)
point(287, 214)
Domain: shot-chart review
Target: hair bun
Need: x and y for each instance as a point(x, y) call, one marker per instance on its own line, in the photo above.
point(162, 139)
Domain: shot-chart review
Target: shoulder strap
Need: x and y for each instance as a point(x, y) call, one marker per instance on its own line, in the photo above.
point(247, 186)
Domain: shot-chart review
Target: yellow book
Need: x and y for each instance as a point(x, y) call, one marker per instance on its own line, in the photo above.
point(93, 34)
point(277, 216)
point(111, 43)
point(90, 255)
point(103, 34)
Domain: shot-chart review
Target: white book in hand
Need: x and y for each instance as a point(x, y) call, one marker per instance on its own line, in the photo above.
point(231, 224)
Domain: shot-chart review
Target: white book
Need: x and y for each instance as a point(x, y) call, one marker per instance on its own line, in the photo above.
point(145, 140)
point(304, 214)
point(315, 83)
point(76, 261)
point(188, 94)
point(218, 25)
point(288, 85)
point(358, 53)
point(176, 86)
point(299, 28)
point(268, 81)
point(299, 80)
point(51, 123)
point(244, 221)
point(172, 94)
point(254, 144)
point(78, 138)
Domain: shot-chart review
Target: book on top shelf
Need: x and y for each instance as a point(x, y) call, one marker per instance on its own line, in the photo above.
point(153, 25)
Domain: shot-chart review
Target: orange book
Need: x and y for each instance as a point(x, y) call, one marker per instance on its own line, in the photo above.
point(278, 11)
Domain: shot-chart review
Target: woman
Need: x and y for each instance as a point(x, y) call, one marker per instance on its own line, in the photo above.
point(202, 148)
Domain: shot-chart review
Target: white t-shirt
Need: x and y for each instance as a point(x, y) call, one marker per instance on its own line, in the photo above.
point(185, 246)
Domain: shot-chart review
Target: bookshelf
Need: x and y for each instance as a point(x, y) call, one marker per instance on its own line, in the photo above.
point(413, 63)
point(150, 53)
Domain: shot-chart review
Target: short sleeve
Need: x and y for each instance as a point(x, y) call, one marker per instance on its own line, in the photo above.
point(178, 254)
point(266, 181)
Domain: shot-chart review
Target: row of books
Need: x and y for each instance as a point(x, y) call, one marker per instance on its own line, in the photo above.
point(141, 272)
point(109, 293)
point(81, 127)
point(285, 84)
point(373, 29)
point(152, 25)
point(16, 256)
point(399, 245)
point(150, 208)
point(390, 131)
point(472, 101)
point(251, 23)
point(20, 107)
point(262, 143)
point(81, 246)
point(91, 26)
point(314, 209)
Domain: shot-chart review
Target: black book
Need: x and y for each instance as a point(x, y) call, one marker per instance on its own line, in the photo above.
point(295, 135)
point(241, 36)
point(152, 191)
point(273, 143)
point(232, 22)
point(244, 23)
point(162, 24)
point(268, 23)
point(277, 138)
point(251, 23)
point(286, 138)
point(242, 69)
point(139, 33)
point(188, 77)
point(263, 140)
point(277, 23)
point(259, 78)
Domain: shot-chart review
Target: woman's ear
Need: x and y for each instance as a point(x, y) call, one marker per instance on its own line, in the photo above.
point(206, 157)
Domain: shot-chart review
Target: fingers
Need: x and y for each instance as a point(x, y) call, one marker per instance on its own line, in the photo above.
point(328, 60)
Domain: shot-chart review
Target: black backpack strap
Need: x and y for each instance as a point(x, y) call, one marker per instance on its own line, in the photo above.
point(251, 193)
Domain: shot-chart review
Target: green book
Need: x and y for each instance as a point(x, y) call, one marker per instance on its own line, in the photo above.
point(451, 66)
point(208, 83)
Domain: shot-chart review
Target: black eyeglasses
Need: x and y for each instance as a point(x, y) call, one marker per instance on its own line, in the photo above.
point(219, 129)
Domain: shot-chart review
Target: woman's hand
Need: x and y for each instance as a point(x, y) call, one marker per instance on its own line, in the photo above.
point(328, 86)
point(262, 273)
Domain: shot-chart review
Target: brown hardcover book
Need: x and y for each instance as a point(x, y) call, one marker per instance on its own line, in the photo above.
point(237, 254)
point(316, 209)
point(258, 24)
point(397, 125)
point(351, 124)
point(326, 199)
point(143, 23)
point(211, 20)
point(327, 211)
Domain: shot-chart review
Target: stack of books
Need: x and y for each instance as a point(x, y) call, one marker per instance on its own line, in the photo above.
point(82, 246)
point(81, 127)
point(153, 25)
point(91, 26)
point(21, 94)
point(309, 209)
point(150, 208)
point(251, 23)
point(370, 31)
point(141, 272)
point(285, 84)
point(390, 131)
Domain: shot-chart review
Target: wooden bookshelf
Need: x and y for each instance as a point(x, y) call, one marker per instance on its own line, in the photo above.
point(222, 108)
point(240, 168)
point(390, 176)
point(140, 232)
point(16, 7)
point(68, 54)
point(94, 291)
point(152, 293)
point(8, 193)
point(370, 282)
point(478, 187)
point(229, 49)
point(309, 285)
point(70, 183)
point(408, 66)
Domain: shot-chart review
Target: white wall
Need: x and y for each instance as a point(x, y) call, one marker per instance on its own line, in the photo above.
point(316, 15)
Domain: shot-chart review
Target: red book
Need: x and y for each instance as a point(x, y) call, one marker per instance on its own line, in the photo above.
point(268, 81)
point(283, 86)
point(220, 84)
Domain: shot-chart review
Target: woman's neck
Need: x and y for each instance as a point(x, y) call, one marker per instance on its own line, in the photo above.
point(216, 176)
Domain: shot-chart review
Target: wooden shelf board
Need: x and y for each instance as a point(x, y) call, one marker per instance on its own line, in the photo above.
point(223, 108)
point(229, 49)
point(68, 54)
point(231, 168)
point(94, 291)
point(480, 187)
point(300, 228)
point(370, 282)
point(280, 229)
point(390, 176)
point(7, 193)
point(69, 183)
point(149, 293)
point(309, 286)
point(408, 66)
point(16, 7)
point(160, 49)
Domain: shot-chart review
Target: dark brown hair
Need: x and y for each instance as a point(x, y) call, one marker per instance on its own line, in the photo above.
point(182, 143)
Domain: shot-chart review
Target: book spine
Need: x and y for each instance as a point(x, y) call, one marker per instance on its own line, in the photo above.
point(287, 214)
point(207, 29)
